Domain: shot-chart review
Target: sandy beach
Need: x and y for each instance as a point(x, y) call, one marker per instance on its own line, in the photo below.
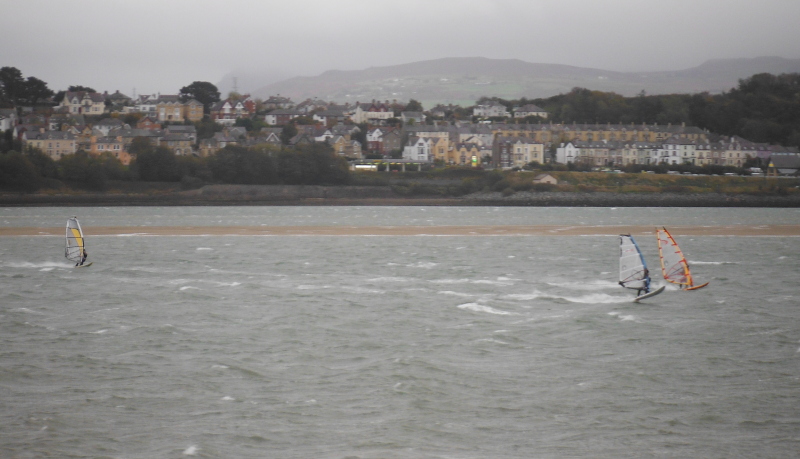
point(478, 230)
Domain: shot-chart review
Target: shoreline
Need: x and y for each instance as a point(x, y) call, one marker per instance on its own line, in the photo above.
point(299, 195)
point(467, 231)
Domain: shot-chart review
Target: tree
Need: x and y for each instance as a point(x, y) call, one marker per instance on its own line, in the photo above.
point(158, 165)
point(35, 90)
point(413, 106)
point(17, 173)
point(287, 133)
point(12, 86)
point(79, 88)
point(234, 164)
point(201, 91)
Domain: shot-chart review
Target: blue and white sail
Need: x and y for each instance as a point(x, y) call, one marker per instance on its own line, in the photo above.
point(633, 273)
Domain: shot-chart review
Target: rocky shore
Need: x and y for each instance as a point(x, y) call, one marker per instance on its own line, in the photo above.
point(220, 195)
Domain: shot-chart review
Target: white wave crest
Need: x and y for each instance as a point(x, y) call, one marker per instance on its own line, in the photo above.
point(713, 262)
point(422, 264)
point(204, 248)
point(452, 293)
point(483, 308)
point(191, 451)
point(449, 281)
point(523, 296)
point(594, 298)
point(44, 266)
point(189, 287)
point(499, 282)
point(624, 318)
point(586, 285)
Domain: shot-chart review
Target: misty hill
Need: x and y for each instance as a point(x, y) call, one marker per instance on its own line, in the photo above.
point(464, 80)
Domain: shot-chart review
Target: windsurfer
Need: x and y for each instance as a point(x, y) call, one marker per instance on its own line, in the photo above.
point(83, 258)
point(646, 286)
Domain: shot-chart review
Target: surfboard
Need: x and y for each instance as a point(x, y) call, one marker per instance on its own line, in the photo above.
point(85, 265)
point(651, 294)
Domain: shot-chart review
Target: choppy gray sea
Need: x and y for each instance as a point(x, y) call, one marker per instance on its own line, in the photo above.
point(395, 347)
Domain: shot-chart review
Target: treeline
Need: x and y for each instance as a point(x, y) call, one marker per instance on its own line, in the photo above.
point(313, 164)
point(763, 108)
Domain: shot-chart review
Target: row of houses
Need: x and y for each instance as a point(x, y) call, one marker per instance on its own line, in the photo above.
point(712, 150)
point(57, 144)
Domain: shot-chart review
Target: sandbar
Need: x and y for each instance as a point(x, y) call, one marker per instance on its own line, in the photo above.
point(467, 230)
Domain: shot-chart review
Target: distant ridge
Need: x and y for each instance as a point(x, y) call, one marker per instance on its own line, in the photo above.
point(462, 80)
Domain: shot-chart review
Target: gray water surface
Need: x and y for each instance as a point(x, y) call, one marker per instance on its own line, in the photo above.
point(394, 347)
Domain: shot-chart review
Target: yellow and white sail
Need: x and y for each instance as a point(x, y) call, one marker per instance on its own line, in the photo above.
point(75, 243)
point(674, 266)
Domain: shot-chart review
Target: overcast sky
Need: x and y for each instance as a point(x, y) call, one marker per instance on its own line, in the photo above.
point(163, 45)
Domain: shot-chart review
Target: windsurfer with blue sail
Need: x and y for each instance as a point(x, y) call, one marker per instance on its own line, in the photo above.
point(633, 272)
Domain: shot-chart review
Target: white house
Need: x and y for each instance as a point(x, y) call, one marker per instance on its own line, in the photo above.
point(529, 110)
point(568, 153)
point(487, 111)
point(418, 149)
point(676, 150)
point(8, 118)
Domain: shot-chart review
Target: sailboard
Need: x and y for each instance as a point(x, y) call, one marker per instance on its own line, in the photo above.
point(75, 246)
point(633, 272)
point(674, 266)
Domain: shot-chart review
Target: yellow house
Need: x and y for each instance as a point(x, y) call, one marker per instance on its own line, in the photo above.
point(54, 144)
point(169, 108)
point(440, 147)
point(180, 144)
point(193, 110)
point(84, 103)
point(510, 152)
point(467, 154)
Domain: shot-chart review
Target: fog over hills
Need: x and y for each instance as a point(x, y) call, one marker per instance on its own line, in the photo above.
point(462, 80)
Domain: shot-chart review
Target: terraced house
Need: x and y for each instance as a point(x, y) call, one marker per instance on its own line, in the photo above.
point(54, 144)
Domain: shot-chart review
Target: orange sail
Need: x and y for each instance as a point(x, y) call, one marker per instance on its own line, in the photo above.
point(674, 266)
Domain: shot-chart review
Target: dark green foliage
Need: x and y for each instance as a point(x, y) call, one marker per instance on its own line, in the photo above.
point(45, 166)
point(79, 88)
point(17, 173)
point(287, 133)
point(239, 165)
point(84, 171)
point(201, 91)
point(764, 108)
point(413, 106)
point(207, 127)
point(313, 164)
point(15, 90)
point(157, 165)
point(12, 86)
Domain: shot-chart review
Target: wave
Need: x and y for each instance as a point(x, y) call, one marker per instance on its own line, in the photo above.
point(449, 281)
point(475, 307)
point(450, 292)
point(43, 266)
point(592, 298)
point(595, 298)
point(624, 318)
point(713, 262)
point(586, 285)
